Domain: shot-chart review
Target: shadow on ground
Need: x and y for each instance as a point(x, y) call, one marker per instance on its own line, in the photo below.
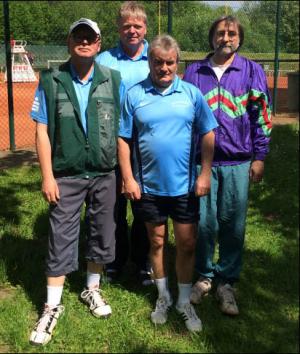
point(18, 158)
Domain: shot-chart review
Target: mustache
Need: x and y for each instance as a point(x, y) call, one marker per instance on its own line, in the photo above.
point(224, 45)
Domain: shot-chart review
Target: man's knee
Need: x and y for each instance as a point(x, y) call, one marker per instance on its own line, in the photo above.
point(187, 246)
point(156, 242)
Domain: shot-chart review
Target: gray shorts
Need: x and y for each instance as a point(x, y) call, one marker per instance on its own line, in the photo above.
point(99, 195)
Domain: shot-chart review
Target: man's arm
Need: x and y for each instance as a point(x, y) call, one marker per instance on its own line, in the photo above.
point(261, 122)
point(131, 188)
point(202, 185)
point(49, 186)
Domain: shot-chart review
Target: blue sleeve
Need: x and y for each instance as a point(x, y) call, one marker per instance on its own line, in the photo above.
point(126, 122)
point(39, 107)
point(205, 119)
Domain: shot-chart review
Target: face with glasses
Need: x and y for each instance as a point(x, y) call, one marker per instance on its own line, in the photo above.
point(226, 38)
point(83, 42)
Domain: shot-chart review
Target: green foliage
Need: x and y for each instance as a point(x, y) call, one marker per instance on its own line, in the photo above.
point(268, 291)
point(289, 36)
point(47, 22)
point(259, 19)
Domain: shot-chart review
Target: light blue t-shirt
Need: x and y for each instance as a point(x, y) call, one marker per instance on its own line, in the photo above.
point(132, 70)
point(165, 129)
point(82, 89)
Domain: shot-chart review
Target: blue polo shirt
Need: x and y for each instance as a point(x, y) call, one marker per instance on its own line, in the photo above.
point(165, 128)
point(82, 89)
point(132, 70)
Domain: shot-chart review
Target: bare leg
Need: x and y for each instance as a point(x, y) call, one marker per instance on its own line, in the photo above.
point(56, 281)
point(156, 234)
point(94, 267)
point(185, 236)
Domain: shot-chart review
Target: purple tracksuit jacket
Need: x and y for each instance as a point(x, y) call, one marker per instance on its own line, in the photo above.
point(241, 105)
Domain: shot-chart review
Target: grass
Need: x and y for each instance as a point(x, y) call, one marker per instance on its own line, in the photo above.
point(267, 292)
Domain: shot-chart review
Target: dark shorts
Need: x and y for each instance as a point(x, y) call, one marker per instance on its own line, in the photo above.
point(156, 209)
point(99, 195)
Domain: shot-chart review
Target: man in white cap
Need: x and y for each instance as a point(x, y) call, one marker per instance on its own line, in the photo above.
point(76, 109)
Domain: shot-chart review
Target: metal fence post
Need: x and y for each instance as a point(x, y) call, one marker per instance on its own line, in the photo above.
point(9, 76)
point(170, 17)
point(276, 60)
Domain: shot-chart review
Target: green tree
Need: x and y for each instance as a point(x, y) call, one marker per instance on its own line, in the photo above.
point(262, 23)
point(289, 34)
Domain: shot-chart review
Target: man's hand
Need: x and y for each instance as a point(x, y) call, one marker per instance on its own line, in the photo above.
point(256, 170)
point(50, 190)
point(202, 185)
point(132, 190)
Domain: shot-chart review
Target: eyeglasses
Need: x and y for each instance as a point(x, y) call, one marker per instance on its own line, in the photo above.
point(79, 38)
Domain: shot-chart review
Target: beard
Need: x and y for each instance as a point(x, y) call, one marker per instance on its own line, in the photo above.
point(226, 49)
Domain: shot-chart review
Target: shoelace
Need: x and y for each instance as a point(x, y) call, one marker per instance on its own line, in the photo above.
point(45, 321)
point(94, 298)
point(189, 313)
point(161, 304)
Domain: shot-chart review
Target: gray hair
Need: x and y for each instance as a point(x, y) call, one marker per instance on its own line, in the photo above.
point(164, 42)
point(131, 9)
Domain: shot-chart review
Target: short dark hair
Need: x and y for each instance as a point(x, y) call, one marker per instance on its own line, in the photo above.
point(227, 19)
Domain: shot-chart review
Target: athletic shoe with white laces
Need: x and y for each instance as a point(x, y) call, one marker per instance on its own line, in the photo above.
point(42, 332)
point(192, 321)
point(97, 305)
point(226, 296)
point(200, 289)
point(160, 314)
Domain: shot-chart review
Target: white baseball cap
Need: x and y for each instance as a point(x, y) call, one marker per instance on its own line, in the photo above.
point(85, 21)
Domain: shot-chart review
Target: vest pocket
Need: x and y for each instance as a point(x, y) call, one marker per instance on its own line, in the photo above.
point(107, 133)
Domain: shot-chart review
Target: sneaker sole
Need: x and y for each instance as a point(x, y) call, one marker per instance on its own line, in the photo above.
point(101, 316)
point(158, 322)
point(229, 313)
point(36, 344)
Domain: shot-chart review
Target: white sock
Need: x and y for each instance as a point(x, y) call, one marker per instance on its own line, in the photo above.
point(184, 292)
point(162, 287)
point(54, 294)
point(92, 280)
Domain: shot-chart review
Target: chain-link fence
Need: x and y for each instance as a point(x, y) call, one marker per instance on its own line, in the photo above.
point(38, 29)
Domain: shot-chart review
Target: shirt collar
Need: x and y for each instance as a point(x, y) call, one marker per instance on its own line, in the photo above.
point(122, 54)
point(176, 86)
point(236, 63)
point(75, 76)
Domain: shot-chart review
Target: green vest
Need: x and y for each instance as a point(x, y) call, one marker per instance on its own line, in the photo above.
point(73, 152)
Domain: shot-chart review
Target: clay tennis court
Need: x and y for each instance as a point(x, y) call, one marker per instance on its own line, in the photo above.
point(25, 129)
point(23, 94)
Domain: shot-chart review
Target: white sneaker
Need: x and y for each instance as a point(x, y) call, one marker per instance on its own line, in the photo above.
point(42, 332)
point(96, 303)
point(200, 289)
point(160, 314)
point(192, 321)
point(225, 294)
